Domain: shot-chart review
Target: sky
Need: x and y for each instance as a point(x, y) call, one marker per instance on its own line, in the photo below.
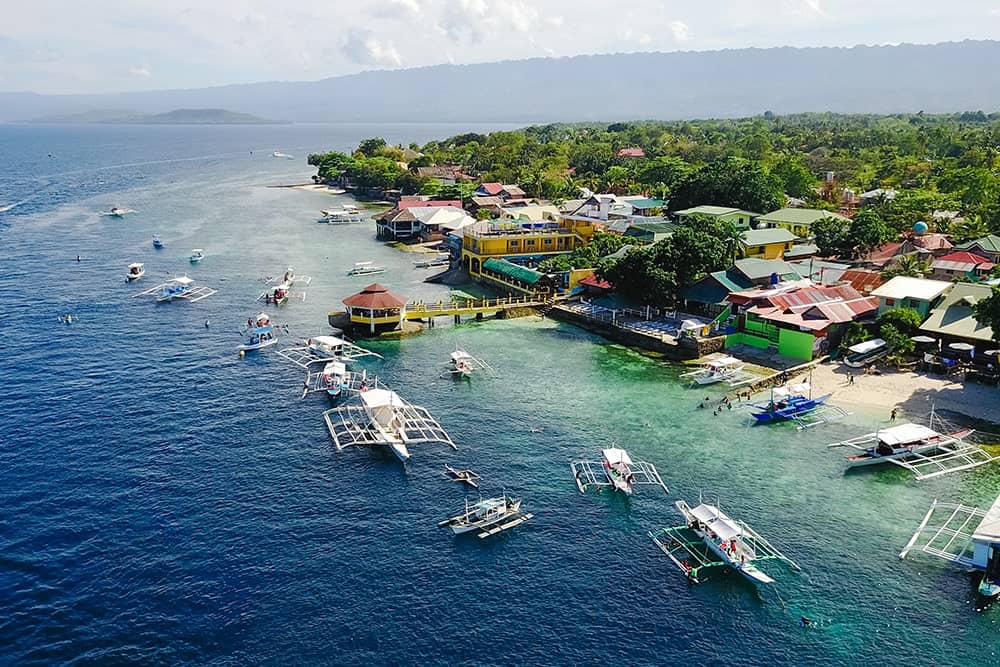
point(54, 46)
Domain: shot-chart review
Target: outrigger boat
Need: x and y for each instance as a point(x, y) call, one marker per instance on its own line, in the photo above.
point(462, 364)
point(325, 348)
point(292, 278)
point(157, 243)
point(197, 255)
point(954, 541)
point(711, 539)
point(384, 419)
point(918, 448)
point(365, 269)
point(724, 369)
point(440, 260)
point(464, 476)
point(489, 517)
point(349, 214)
point(260, 335)
point(178, 288)
point(787, 403)
point(284, 155)
point(616, 470)
point(278, 295)
point(337, 382)
point(135, 271)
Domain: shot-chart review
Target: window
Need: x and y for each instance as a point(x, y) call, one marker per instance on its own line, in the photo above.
point(890, 302)
point(548, 241)
point(530, 243)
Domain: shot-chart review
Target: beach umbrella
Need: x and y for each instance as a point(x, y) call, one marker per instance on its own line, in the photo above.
point(962, 347)
point(923, 339)
point(992, 353)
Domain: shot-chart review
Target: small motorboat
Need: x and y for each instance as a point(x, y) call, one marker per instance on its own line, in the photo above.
point(335, 378)
point(118, 212)
point(260, 335)
point(439, 260)
point(135, 271)
point(157, 243)
point(197, 255)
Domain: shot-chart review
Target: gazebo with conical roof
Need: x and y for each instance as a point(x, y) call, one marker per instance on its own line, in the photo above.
point(377, 308)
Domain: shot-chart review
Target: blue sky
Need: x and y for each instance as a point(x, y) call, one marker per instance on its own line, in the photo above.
point(52, 46)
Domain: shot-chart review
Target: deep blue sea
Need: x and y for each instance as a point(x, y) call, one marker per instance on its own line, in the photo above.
point(165, 502)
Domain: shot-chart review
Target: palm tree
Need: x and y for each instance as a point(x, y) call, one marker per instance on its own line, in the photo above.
point(908, 265)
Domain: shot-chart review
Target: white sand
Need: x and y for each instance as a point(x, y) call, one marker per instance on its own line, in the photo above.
point(318, 187)
point(913, 393)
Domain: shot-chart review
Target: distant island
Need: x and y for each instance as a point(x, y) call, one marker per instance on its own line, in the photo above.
point(175, 117)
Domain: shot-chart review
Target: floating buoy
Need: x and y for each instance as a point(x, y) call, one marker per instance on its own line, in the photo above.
point(243, 353)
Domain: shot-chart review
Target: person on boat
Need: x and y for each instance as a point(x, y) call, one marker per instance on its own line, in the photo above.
point(249, 323)
point(78, 258)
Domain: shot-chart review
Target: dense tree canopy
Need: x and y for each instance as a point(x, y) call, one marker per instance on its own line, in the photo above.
point(987, 312)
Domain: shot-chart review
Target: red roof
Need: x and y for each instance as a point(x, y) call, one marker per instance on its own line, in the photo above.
point(933, 241)
point(491, 188)
point(813, 308)
point(594, 281)
point(420, 203)
point(963, 257)
point(862, 280)
point(631, 152)
point(885, 252)
point(375, 297)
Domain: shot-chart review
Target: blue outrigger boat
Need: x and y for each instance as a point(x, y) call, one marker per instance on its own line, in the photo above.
point(787, 403)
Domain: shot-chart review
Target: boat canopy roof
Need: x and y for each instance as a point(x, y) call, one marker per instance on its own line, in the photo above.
point(334, 368)
point(197, 250)
point(988, 529)
point(135, 265)
point(460, 354)
point(723, 362)
point(327, 341)
point(183, 280)
point(377, 398)
point(719, 523)
point(614, 455)
point(798, 389)
point(899, 435)
point(867, 346)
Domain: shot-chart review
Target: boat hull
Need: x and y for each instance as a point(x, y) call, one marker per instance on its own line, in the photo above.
point(258, 346)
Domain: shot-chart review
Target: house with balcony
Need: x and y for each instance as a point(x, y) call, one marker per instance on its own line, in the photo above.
point(738, 217)
point(521, 241)
point(920, 294)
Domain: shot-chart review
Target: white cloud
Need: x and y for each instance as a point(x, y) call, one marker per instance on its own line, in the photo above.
point(813, 6)
point(644, 38)
point(464, 20)
point(400, 9)
point(365, 48)
point(142, 70)
point(554, 21)
point(680, 31)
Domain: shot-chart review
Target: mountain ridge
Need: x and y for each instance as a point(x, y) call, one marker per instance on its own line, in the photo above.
point(673, 85)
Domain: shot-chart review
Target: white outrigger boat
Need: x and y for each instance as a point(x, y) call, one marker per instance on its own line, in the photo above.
point(365, 269)
point(135, 271)
point(348, 214)
point(711, 539)
point(281, 290)
point(260, 334)
point(384, 419)
point(920, 449)
point(955, 541)
point(293, 278)
point(323, 349)
point(442, 259)
point(337, 382)
point(178, 288)
point(197, 254)
point(724, 369)
point(616, 470)
point(489, 517)
point(461, 364)
point(284, 155)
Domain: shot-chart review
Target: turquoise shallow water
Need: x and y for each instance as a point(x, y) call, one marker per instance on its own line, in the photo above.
point(166, 502)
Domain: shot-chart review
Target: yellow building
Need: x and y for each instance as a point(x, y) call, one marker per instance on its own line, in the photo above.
point(768, 243)
point(521, 242)
point(799, 221)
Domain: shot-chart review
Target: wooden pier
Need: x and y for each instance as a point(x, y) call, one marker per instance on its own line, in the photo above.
point(502, 307)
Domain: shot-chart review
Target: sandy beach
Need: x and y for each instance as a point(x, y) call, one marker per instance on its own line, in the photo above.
point(315, 187)
point(912, 393)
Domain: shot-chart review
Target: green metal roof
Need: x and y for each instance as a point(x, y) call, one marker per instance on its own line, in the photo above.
point(953, 317)
point(715, 211)
point(990, 243)
point(755, 269)
point(512, 270)
point(798, 216)
point(645, 203)
point(715, 287)
point(767, 236)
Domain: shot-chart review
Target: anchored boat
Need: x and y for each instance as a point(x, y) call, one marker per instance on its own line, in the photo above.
point(325, 348)
point(349, 214)
point(439, 260)
point(197, 255)
point(712, 539)
point(787, 403)
point(384, 419)
point(365, 269)
point(724, 369)
point(178, 288)
point(953, 540)
point(489, 517)
point(461, 364)
point(157, 242)
point(616, 470)
point(135, 271)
